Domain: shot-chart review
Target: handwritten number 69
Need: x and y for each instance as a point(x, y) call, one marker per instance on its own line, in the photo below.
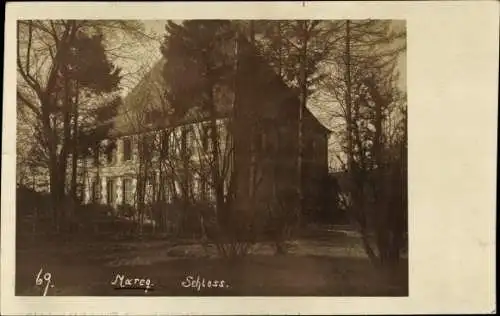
point(47, 277)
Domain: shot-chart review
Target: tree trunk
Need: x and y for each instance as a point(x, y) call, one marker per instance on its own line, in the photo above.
point(252, 32)
point(214, 139)
point(302, 107)
point(74, 162)
point(280, 50)
point(66, 109)
point(356, 176)
point(63, 156)
point(53, 174)
point(350, 158)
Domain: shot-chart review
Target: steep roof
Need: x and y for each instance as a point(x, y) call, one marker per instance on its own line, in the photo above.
point(146, 108)
point(287, 92)
point(148, 96)
point(308, 115)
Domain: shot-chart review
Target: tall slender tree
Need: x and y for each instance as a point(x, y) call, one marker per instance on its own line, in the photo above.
point(91, 75)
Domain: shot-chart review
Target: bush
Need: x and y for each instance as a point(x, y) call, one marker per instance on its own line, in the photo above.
point(101, 218)
point(126, 210)
point(33, 211)
point(180, 218)
point(95, 210)
point(29, 202)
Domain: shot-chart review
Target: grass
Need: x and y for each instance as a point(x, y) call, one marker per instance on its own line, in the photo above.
point(314, 267)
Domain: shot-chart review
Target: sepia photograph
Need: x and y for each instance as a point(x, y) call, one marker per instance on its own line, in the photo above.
point(211, 158)
point(226, 158)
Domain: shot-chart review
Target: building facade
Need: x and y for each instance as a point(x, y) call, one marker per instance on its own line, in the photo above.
point(149, 158)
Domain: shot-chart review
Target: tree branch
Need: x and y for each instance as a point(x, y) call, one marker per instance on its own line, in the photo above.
point(29, 104)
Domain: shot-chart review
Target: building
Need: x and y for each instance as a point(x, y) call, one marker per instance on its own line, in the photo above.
point(150, 157)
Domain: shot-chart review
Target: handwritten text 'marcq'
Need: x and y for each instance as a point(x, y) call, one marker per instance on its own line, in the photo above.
point(122, 282)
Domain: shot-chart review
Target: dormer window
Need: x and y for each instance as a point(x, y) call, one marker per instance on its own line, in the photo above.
point(149, 117)
point(153, 116)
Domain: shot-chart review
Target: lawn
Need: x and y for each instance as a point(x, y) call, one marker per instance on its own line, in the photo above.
point(335, 266)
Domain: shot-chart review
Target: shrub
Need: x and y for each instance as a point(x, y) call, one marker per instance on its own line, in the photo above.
point(89, 214)
point(181, 218)
point(33, 211)
point(126, 210)
point(29, 202)
point(101, 218)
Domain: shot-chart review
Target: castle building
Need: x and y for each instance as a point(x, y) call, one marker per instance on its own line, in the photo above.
point(151, 157)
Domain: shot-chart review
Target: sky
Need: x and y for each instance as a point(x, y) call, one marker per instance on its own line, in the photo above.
point(140, 56)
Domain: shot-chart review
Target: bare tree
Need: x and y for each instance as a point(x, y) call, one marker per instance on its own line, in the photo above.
point(51, 75)
point(364, 83)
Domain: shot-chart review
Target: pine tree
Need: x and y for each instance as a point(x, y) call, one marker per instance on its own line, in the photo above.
point(92, 76)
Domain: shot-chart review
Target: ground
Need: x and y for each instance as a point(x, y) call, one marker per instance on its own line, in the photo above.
point(334, 265)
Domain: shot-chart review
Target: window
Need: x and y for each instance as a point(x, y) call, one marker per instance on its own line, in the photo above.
point(127, 191)
point(111, 191)
point(96, 190)
point(109, 156)
point(127, 149)
point(149, 117)
point(110, 153)
point(151, 182)
point(96, 157)
point(205, 137)
point(147, 143)
point(165, 142)
point(203, 187)
point(185, 141)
